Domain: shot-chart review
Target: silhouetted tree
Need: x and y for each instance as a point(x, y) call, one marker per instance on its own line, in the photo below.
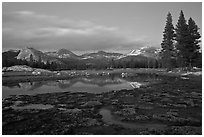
point(182, 39)
point(167, 44)
point(192, 46)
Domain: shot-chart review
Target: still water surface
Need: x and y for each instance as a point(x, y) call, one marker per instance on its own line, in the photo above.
point(110, 119)
point(81, 84)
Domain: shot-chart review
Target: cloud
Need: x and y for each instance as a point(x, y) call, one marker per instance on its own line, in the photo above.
point(25, 13)
point(23, 28)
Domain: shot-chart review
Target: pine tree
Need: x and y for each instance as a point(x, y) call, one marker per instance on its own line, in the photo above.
point(31, 61)
point(182, 38)
point(167, 43)
point(39, 63)
point(193, 46)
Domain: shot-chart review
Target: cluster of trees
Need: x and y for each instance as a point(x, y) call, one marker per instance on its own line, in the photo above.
point(70, 64)
point(181, 44)
point(44, 65)
point(136, 62)
point(7, 62)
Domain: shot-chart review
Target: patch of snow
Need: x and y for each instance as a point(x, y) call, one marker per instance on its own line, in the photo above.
point(40, 71)
point(35, 73)
point(135, 84)
point(122, 56)
point(88, 57)
point(157, 51)
point(124, 75)
point(134, 52)
point(4, 68)
point(184, 78)
point(192, 73)
point(64, 56)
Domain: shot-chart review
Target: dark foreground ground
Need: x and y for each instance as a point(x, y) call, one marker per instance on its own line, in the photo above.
point(173, 106)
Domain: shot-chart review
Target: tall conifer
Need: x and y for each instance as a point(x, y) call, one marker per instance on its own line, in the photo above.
point(182, 38)
point(168, 43)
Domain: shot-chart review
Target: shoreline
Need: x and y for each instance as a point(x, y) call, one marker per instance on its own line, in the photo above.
point(79, 113)
point(62, 75)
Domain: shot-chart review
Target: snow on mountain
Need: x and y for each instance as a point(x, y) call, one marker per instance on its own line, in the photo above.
point(101, 55)
point(63, 53)
point(134, 52)
point(144, 51)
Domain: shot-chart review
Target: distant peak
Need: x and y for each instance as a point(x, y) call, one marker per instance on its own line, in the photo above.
point(134, 52)
point(63, 49)
point(101, 51)
point(27, 47)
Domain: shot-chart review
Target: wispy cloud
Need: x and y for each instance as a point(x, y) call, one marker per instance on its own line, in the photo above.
point(50, 32)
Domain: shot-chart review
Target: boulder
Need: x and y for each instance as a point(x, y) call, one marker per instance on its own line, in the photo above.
point(19, 68)
point(92, 104)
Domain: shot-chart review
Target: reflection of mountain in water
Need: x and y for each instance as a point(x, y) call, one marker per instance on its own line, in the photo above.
point(101, 81)
point(12, 85)
point(134, 82)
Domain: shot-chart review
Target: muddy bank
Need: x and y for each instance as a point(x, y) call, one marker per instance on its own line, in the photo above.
point(175, 106)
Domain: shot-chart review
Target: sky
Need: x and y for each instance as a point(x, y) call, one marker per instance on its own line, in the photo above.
point(84, 27)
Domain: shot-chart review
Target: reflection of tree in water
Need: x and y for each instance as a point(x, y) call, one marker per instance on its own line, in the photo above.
point(36, 85)
point(11, 85)
point(142, 78)
point(63, 84)
point(100, 81)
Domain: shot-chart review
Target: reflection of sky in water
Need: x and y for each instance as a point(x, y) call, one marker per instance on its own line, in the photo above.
point(83, 84)
point(110, 119)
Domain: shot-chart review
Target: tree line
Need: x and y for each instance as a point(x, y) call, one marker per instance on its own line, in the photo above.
point(181, 44)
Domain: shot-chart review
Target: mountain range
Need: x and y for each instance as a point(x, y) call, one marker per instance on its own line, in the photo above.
point(68, 58)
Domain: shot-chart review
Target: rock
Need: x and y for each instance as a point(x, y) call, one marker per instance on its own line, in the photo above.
point(172, 114)
point(167, 95)
point(144, 133)
point(179, 105)
point(142, 117)
point(62, 105)
point(196, 95)
point(189, 102)
point(17, 103)
point(62, 109)
point(130, 111)
point(124, 75)
point(92, 122)
point(185, 130)
point(85, 133)
point(75, 110)
point(126, 112)
point(41, 71)
point(92, 104)
point(145, 107)
point(4, 69)
point(19, 68)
